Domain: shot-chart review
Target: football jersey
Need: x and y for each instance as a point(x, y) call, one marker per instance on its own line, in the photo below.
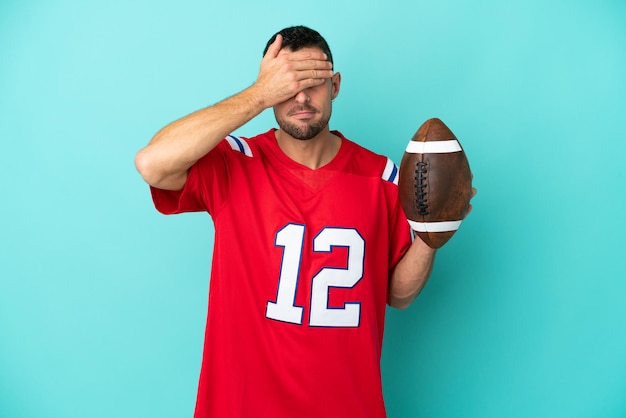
point(299, 278)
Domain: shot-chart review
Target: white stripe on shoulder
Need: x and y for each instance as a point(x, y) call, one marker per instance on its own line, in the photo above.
point(239, 144)
point(390, 173)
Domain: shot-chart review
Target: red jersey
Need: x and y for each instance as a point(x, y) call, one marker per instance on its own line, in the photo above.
point(299, 278)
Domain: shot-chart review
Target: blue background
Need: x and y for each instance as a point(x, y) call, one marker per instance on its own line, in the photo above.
point(103, 300)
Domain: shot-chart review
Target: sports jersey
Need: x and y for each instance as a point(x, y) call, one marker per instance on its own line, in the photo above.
point(299, 278)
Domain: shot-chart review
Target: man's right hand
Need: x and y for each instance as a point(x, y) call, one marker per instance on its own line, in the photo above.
point(284, 73)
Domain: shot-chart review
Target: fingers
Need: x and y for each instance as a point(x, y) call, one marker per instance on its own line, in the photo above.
point(274, 49)
point(314, 76)
point(312, 65)
point(308, 64)
point(285, 73)
point(474, 191)
point(309, 82)
point(304, 54)
point(307, 72)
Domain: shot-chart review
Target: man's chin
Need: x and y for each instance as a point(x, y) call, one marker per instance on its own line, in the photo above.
point(302, 132)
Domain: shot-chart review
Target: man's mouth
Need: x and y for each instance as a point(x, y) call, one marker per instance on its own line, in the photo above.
point(302, 112)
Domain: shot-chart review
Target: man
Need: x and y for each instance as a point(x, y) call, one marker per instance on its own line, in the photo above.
point(310, 243)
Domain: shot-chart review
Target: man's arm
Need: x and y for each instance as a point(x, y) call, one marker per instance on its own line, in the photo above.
point(411, 274)
point(164, 162)
point(413, 270)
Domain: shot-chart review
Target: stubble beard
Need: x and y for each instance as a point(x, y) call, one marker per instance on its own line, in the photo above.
point(303, 132)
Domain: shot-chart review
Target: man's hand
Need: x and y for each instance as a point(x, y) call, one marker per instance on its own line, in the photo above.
point(284, 73)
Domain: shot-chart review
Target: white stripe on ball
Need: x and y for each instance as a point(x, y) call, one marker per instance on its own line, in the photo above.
point(435, 226)
point(433, 147)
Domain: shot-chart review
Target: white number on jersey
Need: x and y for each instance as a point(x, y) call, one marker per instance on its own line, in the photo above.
point(291, 238)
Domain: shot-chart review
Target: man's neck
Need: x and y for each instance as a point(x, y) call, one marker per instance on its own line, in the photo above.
point(313, 153)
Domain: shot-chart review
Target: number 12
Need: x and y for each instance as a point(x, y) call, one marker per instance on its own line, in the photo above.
point(291, 238)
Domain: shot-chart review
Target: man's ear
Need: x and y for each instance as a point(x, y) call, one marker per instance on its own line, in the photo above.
point(336, 84)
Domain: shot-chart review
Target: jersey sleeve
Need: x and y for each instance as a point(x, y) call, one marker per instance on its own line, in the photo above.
point(206, 187)
point(401, 235)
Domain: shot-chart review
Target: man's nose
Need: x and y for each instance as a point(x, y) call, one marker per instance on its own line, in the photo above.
point(303, 97)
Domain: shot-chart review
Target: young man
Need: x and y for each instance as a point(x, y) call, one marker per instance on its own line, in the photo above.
point(310, 243)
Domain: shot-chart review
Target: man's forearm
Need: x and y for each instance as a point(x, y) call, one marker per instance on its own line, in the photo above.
point(174, 149)
point(411, 274)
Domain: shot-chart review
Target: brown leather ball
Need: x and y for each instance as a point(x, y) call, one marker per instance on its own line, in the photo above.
point(435, 183)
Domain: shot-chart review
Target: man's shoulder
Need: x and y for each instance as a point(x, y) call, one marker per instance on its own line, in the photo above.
point(263, 136)
point(369, 163)
point(247, 146)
